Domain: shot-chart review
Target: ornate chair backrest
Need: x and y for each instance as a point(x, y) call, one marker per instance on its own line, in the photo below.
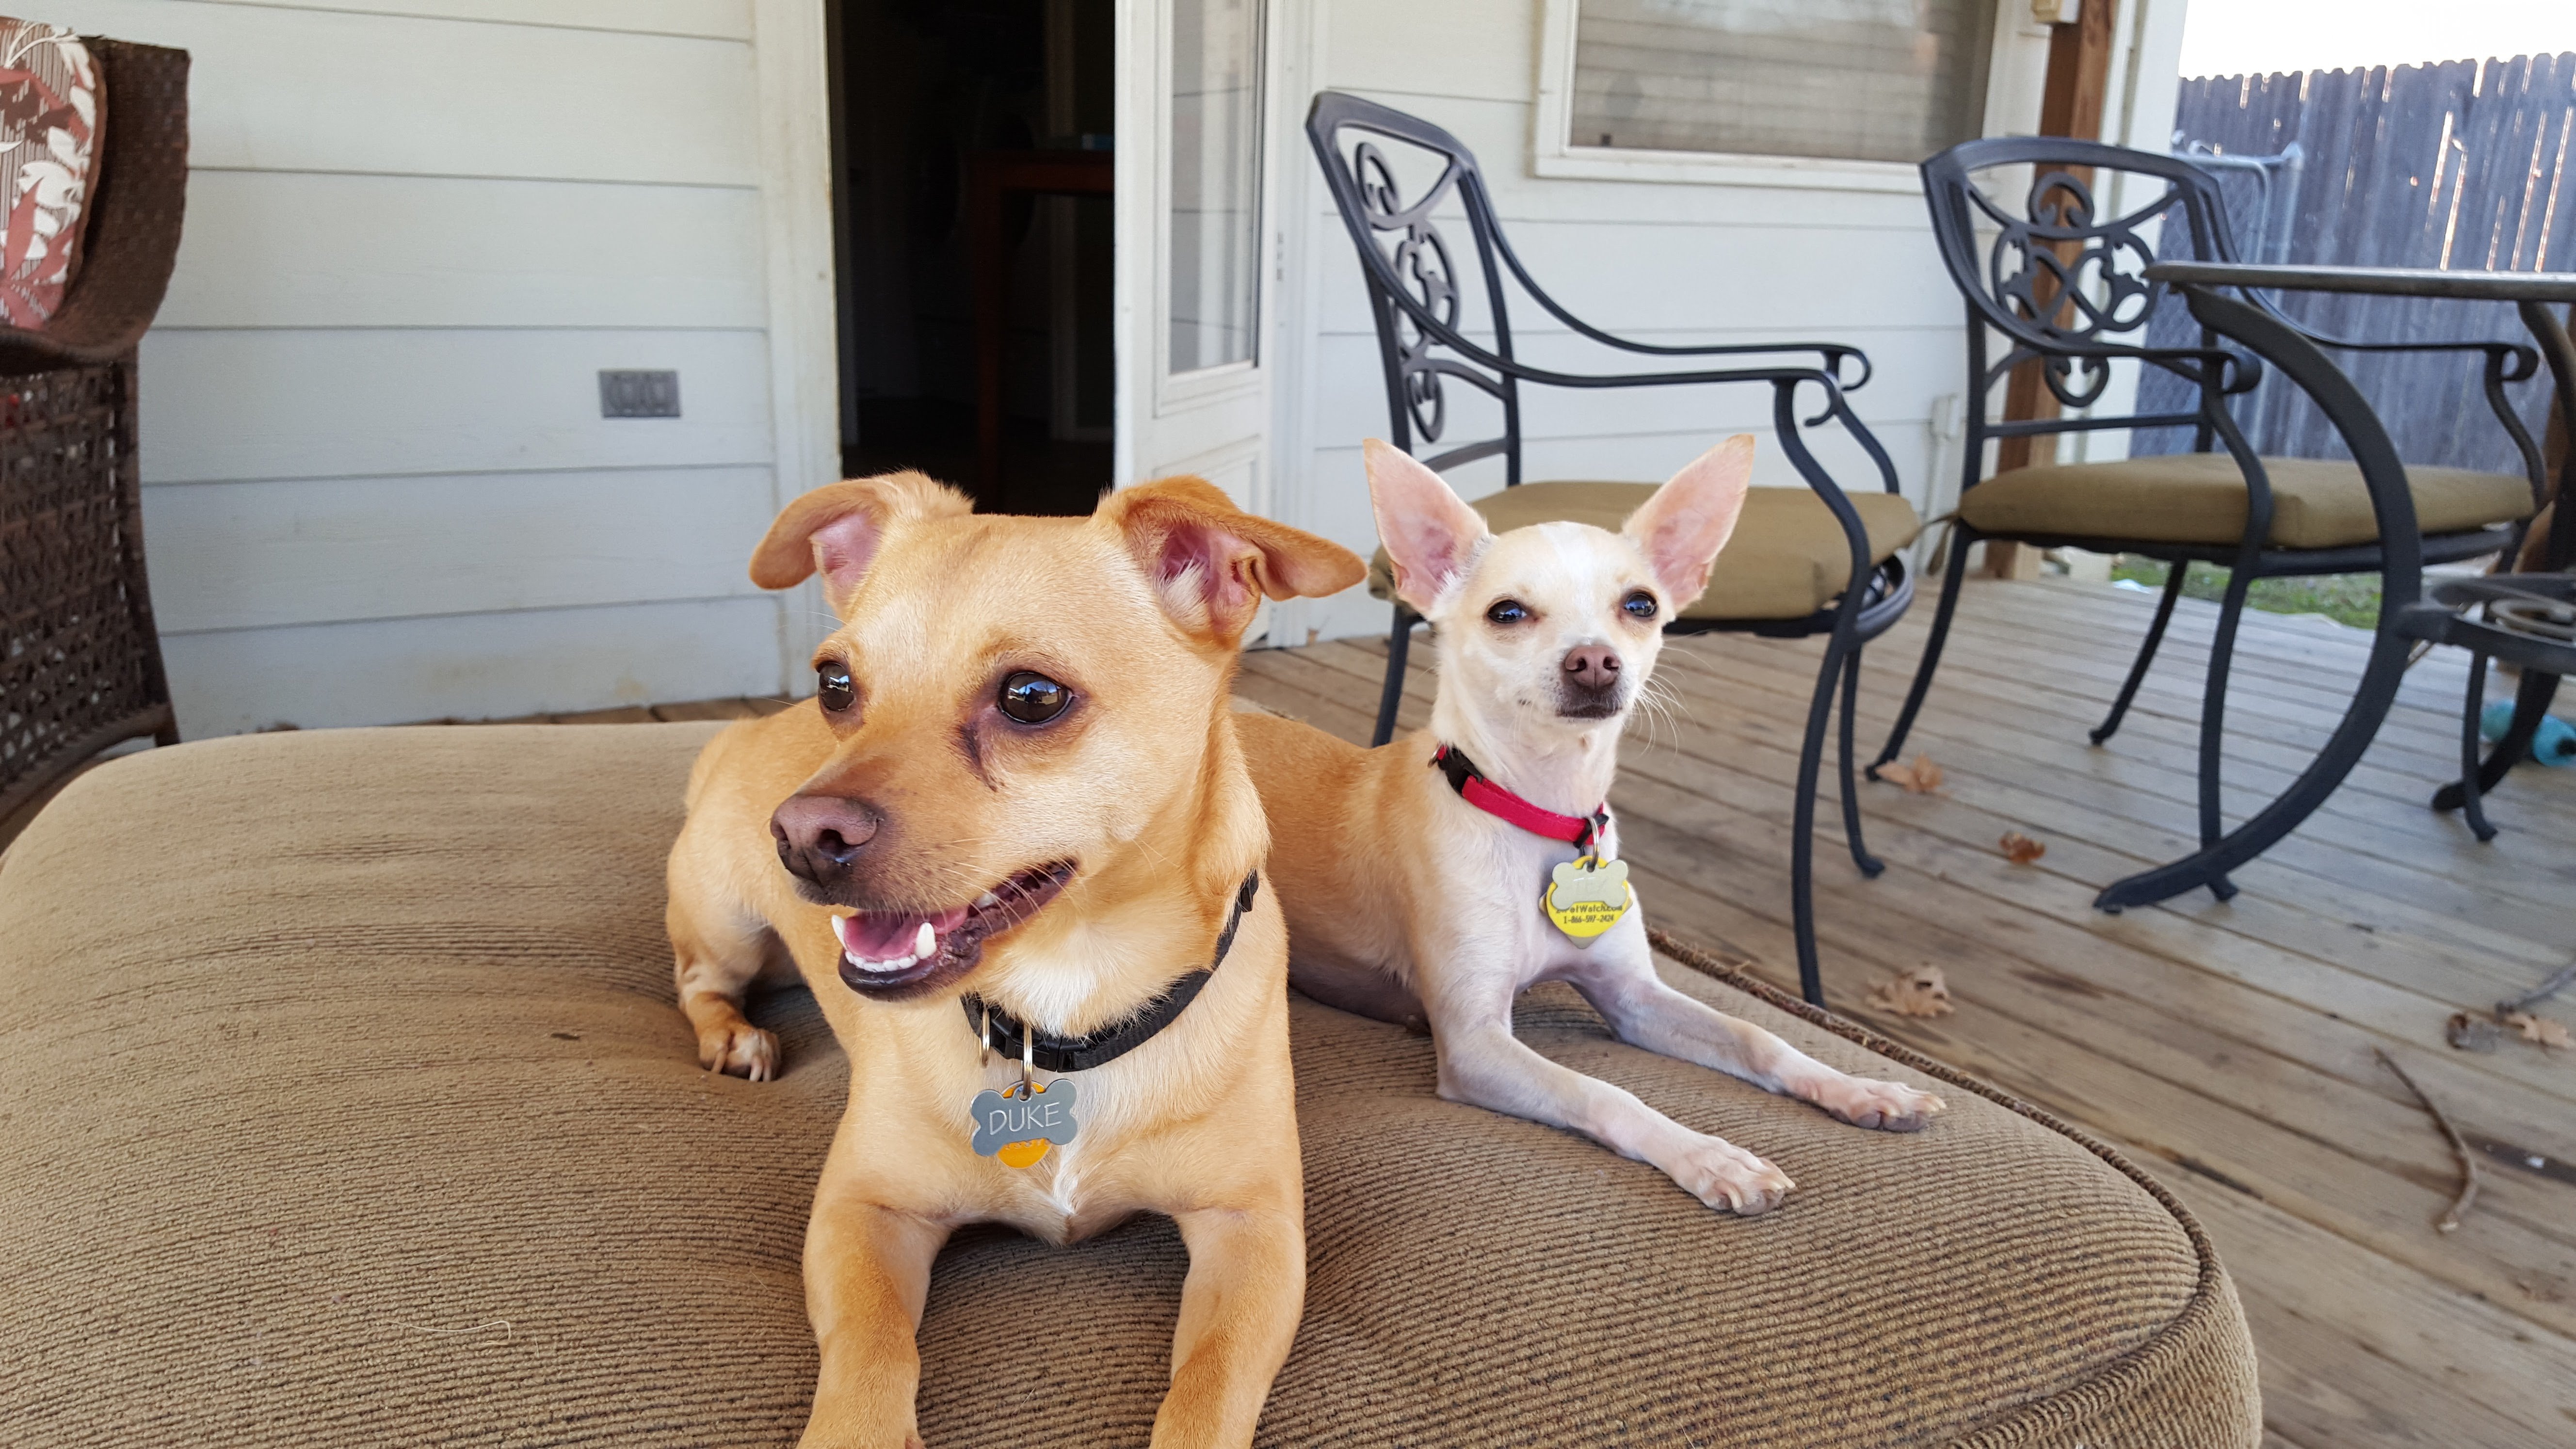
point(1415, 291)
point(2059, 280)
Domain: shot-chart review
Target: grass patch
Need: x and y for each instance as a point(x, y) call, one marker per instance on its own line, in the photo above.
point(2345, 598)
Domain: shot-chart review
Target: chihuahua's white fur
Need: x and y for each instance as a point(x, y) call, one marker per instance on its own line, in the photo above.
point(1407, 903)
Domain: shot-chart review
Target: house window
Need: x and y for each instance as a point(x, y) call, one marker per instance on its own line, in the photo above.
point(1216, 181)
point(1867, 80)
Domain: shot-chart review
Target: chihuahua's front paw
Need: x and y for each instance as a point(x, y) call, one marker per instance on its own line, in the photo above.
point(1724, 1175)
point(1887, 1106)
point(740, 1050)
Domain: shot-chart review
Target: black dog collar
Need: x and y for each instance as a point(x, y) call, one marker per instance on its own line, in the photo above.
point(1081, 1053)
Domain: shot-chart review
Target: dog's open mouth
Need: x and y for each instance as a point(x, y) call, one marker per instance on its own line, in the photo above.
point(897, 952)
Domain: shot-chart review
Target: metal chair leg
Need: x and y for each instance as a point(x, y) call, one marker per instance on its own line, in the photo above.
point(1956, 572)
point(1399, 642)
point(2213, 719)
point(1802, 830)
point(1869, 864)
point(2146, 653)
point(2530, 701)
point(2470, 805)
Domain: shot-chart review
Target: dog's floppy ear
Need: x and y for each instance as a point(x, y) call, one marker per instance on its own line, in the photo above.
point(836, 530)
point(1212, 563)
point(1689, 519)
point(1430, 533)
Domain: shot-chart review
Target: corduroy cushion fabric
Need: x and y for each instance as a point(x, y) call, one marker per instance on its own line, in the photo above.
point(2200, 498)
point(343, 1101)
point(1787, 559)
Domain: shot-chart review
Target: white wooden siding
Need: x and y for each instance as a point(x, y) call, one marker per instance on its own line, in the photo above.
point(378, 487)
point(1693, 262)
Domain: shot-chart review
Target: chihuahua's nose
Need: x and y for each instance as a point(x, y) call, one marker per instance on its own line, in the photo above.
point(819, 835)
point(1593, 666)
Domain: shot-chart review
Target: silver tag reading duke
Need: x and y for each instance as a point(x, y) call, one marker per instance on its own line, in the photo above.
point(1018, 1123)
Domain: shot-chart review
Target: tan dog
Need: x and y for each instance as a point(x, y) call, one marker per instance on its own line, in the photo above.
point(1408, 902)
point(1019, 778)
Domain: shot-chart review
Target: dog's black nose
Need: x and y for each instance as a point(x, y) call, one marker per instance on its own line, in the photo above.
point(1593, 666)
point(819, 835)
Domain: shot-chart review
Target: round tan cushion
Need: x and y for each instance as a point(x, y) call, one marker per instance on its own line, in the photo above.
point(1787, 559)
point(343, 1101)
point(2200, 498)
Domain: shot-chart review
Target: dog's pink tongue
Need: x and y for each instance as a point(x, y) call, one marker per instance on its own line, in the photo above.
point(886, 935)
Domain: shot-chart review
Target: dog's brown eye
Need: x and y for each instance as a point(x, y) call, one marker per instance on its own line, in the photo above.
point(1033, 698)
point(1507, 611)
point(832, 686)
point(1640, 605)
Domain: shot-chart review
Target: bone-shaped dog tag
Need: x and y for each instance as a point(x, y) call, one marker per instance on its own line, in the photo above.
point(1586, 896)
point(1016, 1124)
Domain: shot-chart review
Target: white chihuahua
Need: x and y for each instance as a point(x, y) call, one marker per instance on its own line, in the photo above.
point(1438, 877)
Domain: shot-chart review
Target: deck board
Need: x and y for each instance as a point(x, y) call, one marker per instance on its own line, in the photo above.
point(2227, 1047)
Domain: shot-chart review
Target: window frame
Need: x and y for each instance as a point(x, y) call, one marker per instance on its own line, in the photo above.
point(1553, 153)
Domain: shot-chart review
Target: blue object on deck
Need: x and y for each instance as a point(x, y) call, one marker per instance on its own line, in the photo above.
point(2555, 744)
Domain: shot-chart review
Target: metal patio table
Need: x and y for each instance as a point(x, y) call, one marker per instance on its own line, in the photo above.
point(2515, 617)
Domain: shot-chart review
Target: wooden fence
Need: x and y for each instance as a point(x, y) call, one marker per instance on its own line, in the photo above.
point(2463, 165)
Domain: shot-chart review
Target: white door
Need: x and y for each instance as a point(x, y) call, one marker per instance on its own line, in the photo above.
point(1194, 177)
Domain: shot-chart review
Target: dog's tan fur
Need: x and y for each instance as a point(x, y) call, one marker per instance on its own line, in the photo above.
point(1141, 609)
point(1407, 903)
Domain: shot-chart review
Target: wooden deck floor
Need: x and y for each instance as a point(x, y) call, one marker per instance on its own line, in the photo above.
point(2227, 1047)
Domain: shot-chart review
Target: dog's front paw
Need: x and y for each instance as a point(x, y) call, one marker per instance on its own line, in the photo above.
point(1724, 1175)
point(740, 1050)
point(1887, 1106)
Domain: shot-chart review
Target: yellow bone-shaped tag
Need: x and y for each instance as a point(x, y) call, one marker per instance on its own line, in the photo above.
point(1586, 896)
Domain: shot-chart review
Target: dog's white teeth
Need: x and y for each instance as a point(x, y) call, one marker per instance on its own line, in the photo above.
point(881, 967)
point(987, 899)
point(924, 943)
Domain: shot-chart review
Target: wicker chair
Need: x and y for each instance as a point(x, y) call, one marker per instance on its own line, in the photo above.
point(80, 662)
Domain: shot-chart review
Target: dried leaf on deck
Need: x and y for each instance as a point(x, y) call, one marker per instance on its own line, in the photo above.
point(2541, 1029)
point(1922, 777)
point(2020, 849)
point(1922, 991)
point(2472, 1031)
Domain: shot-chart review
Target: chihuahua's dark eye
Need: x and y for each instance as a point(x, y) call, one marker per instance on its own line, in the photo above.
point(1507, 611)
point(1640, 605)
point(1033, 698)
point(832, 686)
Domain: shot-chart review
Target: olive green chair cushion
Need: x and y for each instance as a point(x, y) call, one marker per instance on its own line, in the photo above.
point(2200, 498)
point(1788, 557)
point(343, 1101)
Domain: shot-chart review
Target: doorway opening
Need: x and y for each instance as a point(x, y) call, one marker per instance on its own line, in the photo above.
point(971, 211)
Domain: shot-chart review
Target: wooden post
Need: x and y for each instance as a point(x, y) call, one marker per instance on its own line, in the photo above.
point(2079, 74)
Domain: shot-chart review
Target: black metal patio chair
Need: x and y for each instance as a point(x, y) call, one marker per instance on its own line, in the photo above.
point(2062, 284)
point(1813, 561)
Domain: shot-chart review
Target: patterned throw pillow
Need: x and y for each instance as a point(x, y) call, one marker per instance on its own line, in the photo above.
point(50, 108)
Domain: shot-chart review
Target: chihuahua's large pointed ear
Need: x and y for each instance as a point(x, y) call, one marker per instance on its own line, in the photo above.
point(1690, 518)
point(836, 530)
point(1430, 533)
point(1213, 563)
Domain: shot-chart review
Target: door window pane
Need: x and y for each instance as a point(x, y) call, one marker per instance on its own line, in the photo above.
point(1216, 181)
point(1873, 80)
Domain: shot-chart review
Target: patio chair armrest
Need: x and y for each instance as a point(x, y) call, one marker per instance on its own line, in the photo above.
point(2238, 372)
point(1831, 353)
point(1786, 379)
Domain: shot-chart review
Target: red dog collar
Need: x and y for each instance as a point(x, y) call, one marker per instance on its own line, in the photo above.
point(1472, 786)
